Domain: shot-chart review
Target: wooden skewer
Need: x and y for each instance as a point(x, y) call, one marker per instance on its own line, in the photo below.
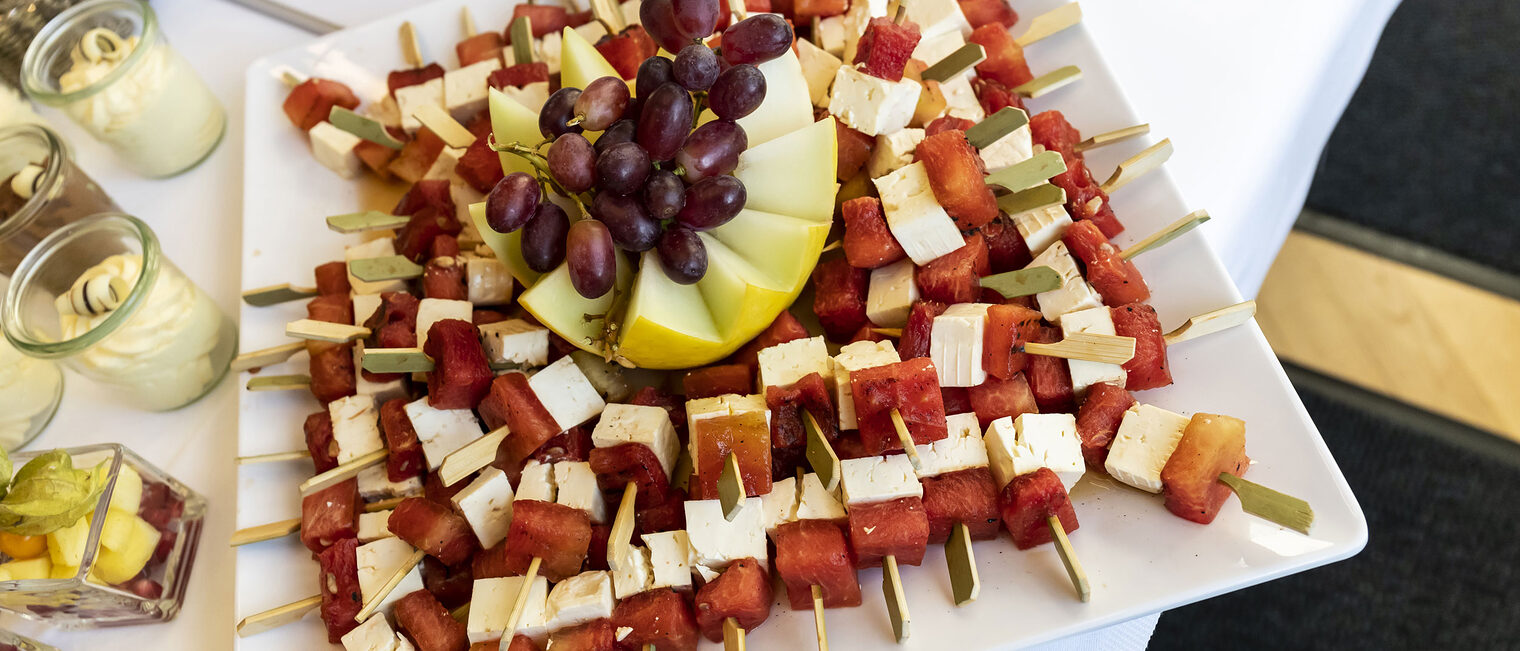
point(275, 294)
point(475, 455)
point(995, 126)
point(290, 78)
point(731, 491)
point(1108, 349)
point(521, 31)
point(411, 51)
point(313, 330)
point(1050, 23)
point(1029, 173)
point(1039, 196)
point(906, 438)
point(610, 14)
point(897, 600)
point(276, 617)
point(363, 222)
point(895, 333)
point(411, 360)
point(960, 559)
point(363, 127)
point(279, 382)
point(466, 22)
point(521, 602)
point(343, 472)
point(820, 454)
point(1172, 231)
point(1138, 165)
point(622, 526)
point(390, 584)
point(266, 356)
point(1111, 137)
point(390, 267)
point(1212, 322)
point(831, 246)
point(733, 635)
point(818, 625)
point(1023, 282)
point(1270, 505)
point(817, 32)
point(955, 63)
point(443, 125)
point(284, 528)
point(1069, 559)
point(273, 457)
point(738, 9)
point(1049, 82)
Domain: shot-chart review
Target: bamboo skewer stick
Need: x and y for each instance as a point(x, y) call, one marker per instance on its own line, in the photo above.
point(521, 602)
point(336, 333)
point(1049, 82)
point(897, 600)
point(276, 617)
point(733, 635)
point(960, 559)
point(1069, 559)
point(390, 584)
point(1112, 137)
point(273, 457)
point(1172, 231)
point(411, 51)
point(1051, 23)
point(279, 382)
point(1212, 322)
point(731, 491)
point(818, 624)
point(266, 356)
point(906, 438)
point(343, 472)
point(466, 22)
point(1108, 349)
point(1270, 505)
point(475, 455)
point(1138, 165)
point(276, 294)
point(283, 528)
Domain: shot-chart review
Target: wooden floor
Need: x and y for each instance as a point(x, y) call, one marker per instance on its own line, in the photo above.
point(1422, 338)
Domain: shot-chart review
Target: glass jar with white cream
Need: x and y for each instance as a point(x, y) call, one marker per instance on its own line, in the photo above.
point(107, 65)
point(99, 296)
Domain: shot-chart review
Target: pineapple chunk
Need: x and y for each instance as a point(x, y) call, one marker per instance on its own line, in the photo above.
point(66, 545)
point(118, 529)
point(119, 565)
point(36, 568)
point(63, 571)
point(126, 496)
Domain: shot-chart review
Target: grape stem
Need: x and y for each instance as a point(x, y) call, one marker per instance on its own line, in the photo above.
point(701, 98)
point(541, 165)
point(576, 121)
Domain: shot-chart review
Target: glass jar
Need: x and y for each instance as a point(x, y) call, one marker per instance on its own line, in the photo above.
point(100, 296)
point(155, 518)
point(12, 642)
point(20, 20)
point(57, 193)
point(148, 104)
point(30, 389)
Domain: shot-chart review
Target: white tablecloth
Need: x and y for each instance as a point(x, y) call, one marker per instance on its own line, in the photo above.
point(1248, 92)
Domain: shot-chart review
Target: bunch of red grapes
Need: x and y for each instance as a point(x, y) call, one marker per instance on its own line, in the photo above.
point(651, 181)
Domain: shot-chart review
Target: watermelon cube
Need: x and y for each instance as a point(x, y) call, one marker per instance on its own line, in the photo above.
point(885, 48)
point(480, 47)
point(319, 440)
point(490, 563)
point(912, 388)
point(1027, 503)
point(461, 375)
point(1211, 444)
point(443, 278)
point(997, 398)
point(989, 12)
point(1049, 377)
point(1085, 200)
point(331, 308)
point(784, 328)
point(330, 515)
point(816, 552)
point(746, 435)
point(545, 19)
point(787, 404)
point(452, 586)
point(821, 8)
point(625, 52)
point(531, 424)
point(742, 591)
point(339, 581)
point(331, 370)
point(957, 175)
point(658, 617)
point(1005, 58)
point(396, 321)
point(915, 338)
point(667, 516)
point(332, 278)
point(406, 460)
point(957, 400)
point(378, 157)
point(1051, 130)
point(573, 444)
point(631, 462)
point(947, 123)
point(717, 380)
point(433, 528)
point(479, 166)
point(519, 75)
point(1116, 279)
point(994, 96)
point(555, 533)
point(897, 527)
point(1008, 327)
point(868, 243)
point(867, 332)
point(839, 297)
point(417, 156)
point(412, 77)
point(955, 277)
point(595, 635)
point(1148, 369)
point(1006, 249)
point(1098, 420)
point(429, 624)
point(310, 102)
point(854, 150)
point(969, 497)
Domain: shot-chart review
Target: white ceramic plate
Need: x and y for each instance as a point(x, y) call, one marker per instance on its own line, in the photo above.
point(1141, 559)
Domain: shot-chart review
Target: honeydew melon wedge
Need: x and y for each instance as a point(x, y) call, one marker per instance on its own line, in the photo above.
point(793, 174)
point(506, 246)
point(555, 303)
point(580, 63)
point(667, 321)
point(788, 106)
point(512, 122)
point(783, 247)
point(741, 298)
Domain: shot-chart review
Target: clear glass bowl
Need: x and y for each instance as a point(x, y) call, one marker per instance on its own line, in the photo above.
point(83, 599)
point(12, 642)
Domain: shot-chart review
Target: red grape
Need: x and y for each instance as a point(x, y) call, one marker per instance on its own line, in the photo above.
point(512, 202)
point(554, 117)
point(696, 19)
point(738, 91)
point(572, 161)
point(712, 149)
point(695, 67)
point(711, 202)
point(591, 258)
point(756, 39)
point(664, 194)
point(665, 121)
point(543, 238)
point(653, 73)
point(602, 103)
point(659, 20)
point(620, 132)
point(624, 215)
point(622, 168)
point(683, 255)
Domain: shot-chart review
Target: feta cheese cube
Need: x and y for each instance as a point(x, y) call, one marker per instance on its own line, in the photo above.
point(356, 427)
point(487, 281)
point(955, 345)
point(376, 248)
point(819, 68)
point(892, 151)
point(487, 505)
point(878, 479)
point(632, 575)
point(464, 89)
point(1015, 147)
point(1043, 226)
point(384, 111)
point(375, 484)
point(872, 105)
point(936, 17)
point(334, 149)
point(1084, 373)
point(410, 98)
point(566, 393)
point(963, 425)
point(532, 95)
point(783, 364)
point(515, 341)
point(577, 489)
point(1006, 458)
point(374, 526)
point(961, 102)
point(444, 165)
point(669, 552)
point(1146, 439)
point(1073, 294)
point(579, 599)
point(855, 20)
point(716, 541)
point(961, 450)
point(914, 216)
point(1054, 441)
point(630, 11)
point(433, 310)
point(377, 562)
point(818, 503)
point(933, 49)
point(380, 392)
point(376, 634)
point(491, 602)
point(536, 482)
point(779, 506)
point(549, 49)
point(442, 431)
point(643, 424)
point(855, 356)
point(891, 294)
point(831, 35)
point(592, 31)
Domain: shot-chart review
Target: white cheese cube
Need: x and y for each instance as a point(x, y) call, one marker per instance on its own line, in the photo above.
point(1016, 147)
point(933, 49)
point(1073, 294)
point(1041, 227)
point(377, 562)
point(961, 102)
point(1006, 458)
point(878, 479)
point(819, 68)
point(642, 424)
point(334, 149)
point(532, 95)
point(1053, 439)
point(892, 151)
point(962, 425)
point(375, 484)
point(632, 575)
point(487, 281)
point(891, 294)
point(376, 248)
point(464, 89)
point(1146, 439)
point(818, 503)
point(374, 526)
point(365, 306)
point(444, 165)
point(783, 364)
point(380, 392)
point(536, 482)
point(630, 11)
point(566, 393)
point(779, 506)
point(384, 111)
point(831, 35)
point(442, 431)
point(376, 634)
point(936, 17)
point(853, 357)
point(487, 505)
point(669, 552)
point(580, 599)
point(433, 310)
point(491, 602)
point(955, 345)
point(872, 105)
point(716, 541)
point(1084, 373)
point(592, 31)
point(914, 216)
point(549, 50)
point(856, 18)
point(355, 426)
point(515, 341)
point(577, 489)
point(411, 98)
point(961, 450)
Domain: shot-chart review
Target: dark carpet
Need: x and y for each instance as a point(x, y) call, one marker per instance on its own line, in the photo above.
point(1442, 566)
point(1429, 148)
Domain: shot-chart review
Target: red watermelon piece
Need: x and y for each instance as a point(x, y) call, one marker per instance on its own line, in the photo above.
point(947, 123)
point(330, 515)
point(915, 338)
point(530, 422)
point(480, 47)
point(1098, 420)
point(451, 586)
point(745, 435)
point(718, 380)
point(969, 497)
point(815, 552)
point(310, 102)
point(955, 277)
point(1006, 249)
point(406, 459)
point(555, 533)
point(1115, 278)
point(429, 624)
point(839, 297)
point(821, 8)
point(631, 462)
point(518, 76)
point(897, 527)
point(403, 78)
point(988, 12)
point(1028, 501)
point(1049, 377)
point(1148, 369)
point(433, 528)
point(659, 617)
point(479, 166)
point(854, 150)
point(595, 635)
point(997, 398)
point(1005, 62)
point(669, 515)
point(885, 48)
point(994, 96)
point(319, 440)
point(341, 598)
point(461, 375)
point(868, 242)
point(332, 279)
point(742, 591)
point(912, 388)
point(956, 174)
point(1008, 327)
point(573, 444)
point(544, 19)
point(785, 328)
